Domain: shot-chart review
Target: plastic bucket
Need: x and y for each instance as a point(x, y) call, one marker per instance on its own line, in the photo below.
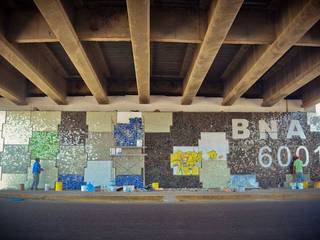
point(128, 188)
point(317, 184)
point(155, 185)
point(305, 184)
point(46, 187)
point(21, 187)
point(58, 186)
point(83, 188)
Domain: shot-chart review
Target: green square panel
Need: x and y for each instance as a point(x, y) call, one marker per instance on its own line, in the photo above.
point(15, 159)
point(214, 174)
point(44, 145)
point(45, 121)
point(98, 146)
point(48, 176)
point(72, 160)
point(17, 129)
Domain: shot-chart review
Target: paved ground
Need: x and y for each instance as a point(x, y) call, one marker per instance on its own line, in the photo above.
point(246, 220)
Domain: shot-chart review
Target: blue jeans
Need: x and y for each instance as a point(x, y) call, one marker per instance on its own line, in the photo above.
point(35, 181)
point(299, 177)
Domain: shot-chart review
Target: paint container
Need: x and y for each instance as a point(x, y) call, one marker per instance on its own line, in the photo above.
point(155, 185)
point(47, 187)
point(21, 187)
point(305, 184)
point(58, 186)
point(316, 184)
point(293, 186)
point(83, 188)
point(300, 186)
point(128, 188)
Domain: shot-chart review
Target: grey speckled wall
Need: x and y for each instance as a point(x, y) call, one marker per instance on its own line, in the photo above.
point(243, 155)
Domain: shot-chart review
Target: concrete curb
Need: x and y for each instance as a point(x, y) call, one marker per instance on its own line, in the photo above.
point(163, 197)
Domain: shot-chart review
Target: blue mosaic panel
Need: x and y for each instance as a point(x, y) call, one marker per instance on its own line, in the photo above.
point(128, 134)
point(15, 159)
point(246, 181)
point(135, 180)
point(71, 181)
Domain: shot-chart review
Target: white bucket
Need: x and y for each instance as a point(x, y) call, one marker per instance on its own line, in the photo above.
point(47, 187)
point(83, 188)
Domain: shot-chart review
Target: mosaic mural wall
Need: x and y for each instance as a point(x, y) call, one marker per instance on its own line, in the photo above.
point(178, 150)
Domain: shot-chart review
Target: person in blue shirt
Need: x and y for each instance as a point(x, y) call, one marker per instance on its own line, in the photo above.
point(36, 170)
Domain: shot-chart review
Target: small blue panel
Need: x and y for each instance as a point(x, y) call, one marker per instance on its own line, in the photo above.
point(135, 180)
point(71, 181)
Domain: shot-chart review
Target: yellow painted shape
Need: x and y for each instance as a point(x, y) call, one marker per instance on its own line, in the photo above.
point(187, 163)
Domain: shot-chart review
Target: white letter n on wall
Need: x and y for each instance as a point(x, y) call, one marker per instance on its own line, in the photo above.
point(264, 128)
point(240, 129)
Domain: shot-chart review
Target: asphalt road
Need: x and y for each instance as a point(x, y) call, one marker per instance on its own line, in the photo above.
point(250, 220)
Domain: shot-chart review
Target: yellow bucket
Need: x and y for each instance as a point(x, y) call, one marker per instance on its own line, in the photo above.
point(59, 186)
point(305, 185)
point(155, 185)
point(317, 184)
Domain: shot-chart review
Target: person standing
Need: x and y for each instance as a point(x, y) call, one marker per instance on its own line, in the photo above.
point(298, 169)
point(36, 170)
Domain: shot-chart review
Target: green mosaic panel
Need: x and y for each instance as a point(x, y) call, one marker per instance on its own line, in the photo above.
point(127, 163)
point(48, 176)
point(100, 121)
point(72, 160)
point(45, 121)
point(17, 129)
point(44, 145)
point(98, 146)
point(15, 159)
point(214, 174)
point(12, 181)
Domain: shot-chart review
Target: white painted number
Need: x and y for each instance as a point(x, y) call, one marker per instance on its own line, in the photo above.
point(306, 152)
point(317, 151)
point(288, 156)
point(265, 155)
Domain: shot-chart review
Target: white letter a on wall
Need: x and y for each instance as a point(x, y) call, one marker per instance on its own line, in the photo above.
point(295, 129)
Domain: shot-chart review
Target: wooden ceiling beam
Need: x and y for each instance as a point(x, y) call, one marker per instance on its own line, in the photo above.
point(12, 85)
point(299, 71)
point(139, 24)
point(296, 20)
point(56, 15)
point(29, 60)
point(167, 25)
point(311, 94)
point(221, 16)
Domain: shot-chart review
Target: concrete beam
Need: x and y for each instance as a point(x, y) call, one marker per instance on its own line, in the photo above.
point(59, 22)
point(221, 16)
point(12, 85)
point(167, 25)
point(29, 60)
point(311, 94)
point(299, 71)
point(296, 20)
point(139, 22)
